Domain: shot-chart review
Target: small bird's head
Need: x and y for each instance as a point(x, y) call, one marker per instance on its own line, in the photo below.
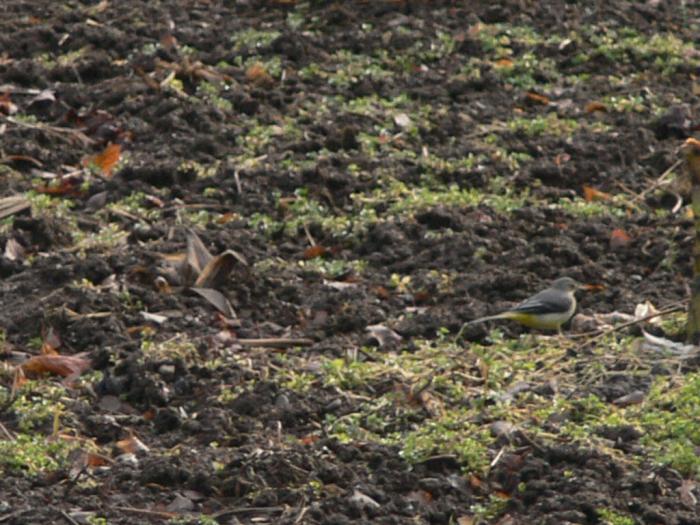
point(566, 284)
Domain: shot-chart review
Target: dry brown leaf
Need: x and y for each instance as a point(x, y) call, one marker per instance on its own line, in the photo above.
point(227, 217)
point(168, 41)
point(593, 107)
point(432, 404)
point(315, 251)
point(619, 238)
point(63, 187)
point(382, 292)
point(51, 342)
point(561, 159)
point(131, 445)
point(67, 366)
point(218, 269)
point(503, 63)
point(258, 75)
point(537, 98)
point(309, 439)
point(591, 194)
point(474, 481)
point(107, 159)
point(420, 496)
point(93, 460)
point(6, 105)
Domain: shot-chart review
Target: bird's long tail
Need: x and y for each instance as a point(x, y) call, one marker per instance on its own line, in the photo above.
point(502, 315)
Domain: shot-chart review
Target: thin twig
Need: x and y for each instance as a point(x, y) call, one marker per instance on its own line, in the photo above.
point(6, 432)
point(309, 237)
point(301, 515)
point(55, 130)
point(275, 342)
point(11, 515)
point(147, 512)
point(658, 181)
point(246, 510)
point(67, 517)
point(597, 334)
point(237, 178)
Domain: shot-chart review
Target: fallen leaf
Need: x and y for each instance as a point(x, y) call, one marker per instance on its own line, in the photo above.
point(6, 105)
point(561, 159)
point(258, 75)
point(154, 201)
point(93, 460)
point(131, 445)
point(403, 120)
point(591, 194)
point(503, 63)
point(537, 98)
point(363, 500)
point(432, 404)
point(474, 481)
point(217, 299)
point(420, 496)
point(44, 96)
point(180, 504)
point(227, 217)
point(168, 41)
point(63, 187)
point(592, 107)
point(686, 491)
point(96, 201)
point(619, 239)
point(382, 292)
point(465, 520)
point(11, 205)
point(383, 335)
point(309, 439)
point(502, 428)
point(218, 269)
point(646, 309)
point(51, 342)
point(14, 251)
point(197, 254)
point(633, 398)
point(315, 251)
point(67, 366)
point(107, 159)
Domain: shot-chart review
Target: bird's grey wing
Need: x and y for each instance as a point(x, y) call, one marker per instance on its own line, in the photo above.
point(545, 302)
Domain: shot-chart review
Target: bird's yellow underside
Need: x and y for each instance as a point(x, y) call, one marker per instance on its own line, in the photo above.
point(540, 322)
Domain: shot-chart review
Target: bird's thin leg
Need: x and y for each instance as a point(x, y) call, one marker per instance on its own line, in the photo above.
point(460, 333)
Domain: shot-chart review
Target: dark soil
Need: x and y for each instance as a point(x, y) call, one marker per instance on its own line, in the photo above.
point(259, 454)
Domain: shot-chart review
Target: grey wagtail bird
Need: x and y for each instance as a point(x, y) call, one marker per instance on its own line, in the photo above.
point(546, 310)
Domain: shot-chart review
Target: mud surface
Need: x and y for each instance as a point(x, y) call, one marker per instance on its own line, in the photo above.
point(203, 131)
